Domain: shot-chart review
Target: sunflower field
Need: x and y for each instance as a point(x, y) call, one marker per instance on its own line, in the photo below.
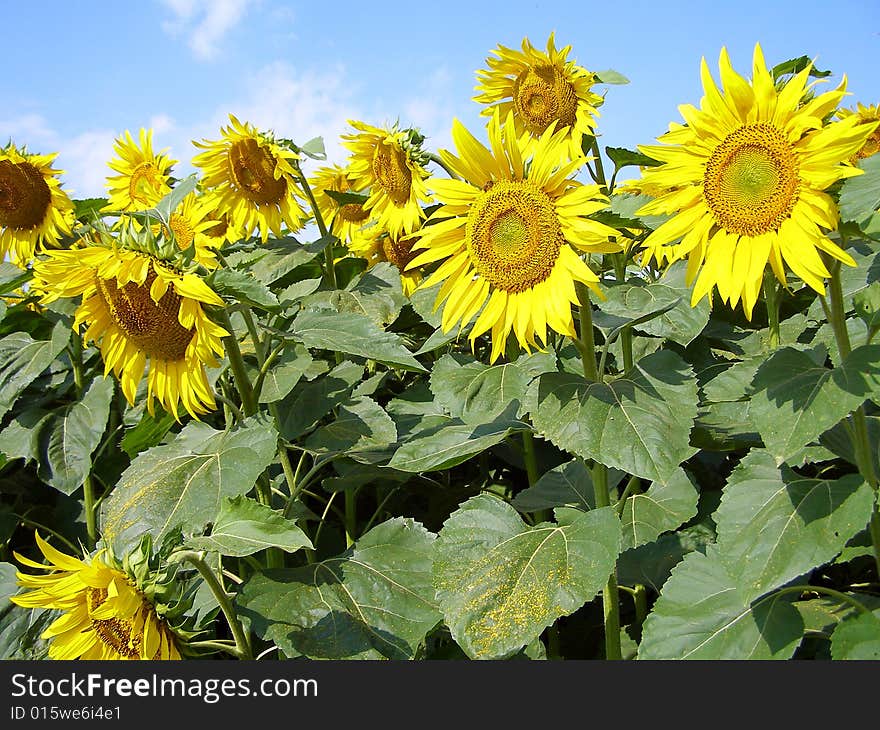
point(532, 397)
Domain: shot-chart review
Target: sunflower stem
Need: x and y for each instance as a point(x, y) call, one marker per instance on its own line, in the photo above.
point(587, 341)
point(626, 341)
point(242, 640)
point(771, 297)
point(236, 362)
point(860, 440)
point(329, 264)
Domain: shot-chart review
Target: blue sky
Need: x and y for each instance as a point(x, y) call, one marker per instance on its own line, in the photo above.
point(77, 74)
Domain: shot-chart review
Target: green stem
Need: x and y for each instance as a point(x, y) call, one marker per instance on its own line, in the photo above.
point(439, 161)
point(329, 265)
point(842, 597)
point(861, 442)
point(242, 641)
point(771, 297)
point(529, 457)
point(236, 362)
point(610, 595)
point(626, 342)
point(587, 341)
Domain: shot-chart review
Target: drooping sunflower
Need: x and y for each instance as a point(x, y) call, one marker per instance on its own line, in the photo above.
point(865, 114)
point(509, 235)
point(140, 310)
point(747, 174)
point(252, 178)
point(384, 160)
point(540, 88)
point(143, 178)
point(381, 246)
point(105, 615)
point(345, 220)
point(34, 211)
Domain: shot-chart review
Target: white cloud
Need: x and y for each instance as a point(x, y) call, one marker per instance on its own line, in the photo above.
point(430, 110)
point(204, 22)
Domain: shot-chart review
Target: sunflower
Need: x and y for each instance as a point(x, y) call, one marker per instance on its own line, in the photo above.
point(105, 615)
point(381, 246)
point(252, 178)
point(747, 174)
point(143, 178)
point(344, 220)
point(193, 224)
point(865, 114)
point(540, 89)
point(385, 161)
point(34, 210)
point(511, 232)
point(141, 308)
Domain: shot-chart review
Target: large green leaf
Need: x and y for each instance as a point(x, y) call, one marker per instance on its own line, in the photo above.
point(796, 399)
point(360, 425)
point(566, 485)
point(477, 393)
point(245, 526)
point(702, 614)
point(639, 423)
point(182, 484)
point(310, 401)
point(293, 363)
point(22, 359)
point(354, 334)
point(71, 437)
point(857, 637)
point(860, 195)
point(375, 601)
point(244, 287)
point(774, 525)
point(665, 506)
point(443, 445)
point(500, 583)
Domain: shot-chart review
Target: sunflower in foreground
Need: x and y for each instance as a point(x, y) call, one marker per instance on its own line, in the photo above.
point(747, 175)
point(140, 310)
point(540, 89)
point(509, 235)
point(34, 211)
point(865, 114)
point(252, 178)
point(384, 160)
point(105, 616)
point(143, 178)
point(344, 220)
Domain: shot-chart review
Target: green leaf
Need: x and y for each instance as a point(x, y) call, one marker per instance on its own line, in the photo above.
point(651, 564)
point(702, 614)
point(71, 437)
point(445, 444)
point(285, 373)
point(21, 437)
point(622, 157)
point(477, 393)
point(665, 506)
point(610, 76)
point(314, 148)
point(375, 601)
point(88, 209)
point(795, 66)
point(639, 423)
point(167, 205)
point(244, 526)
point(857, 637)
point(310, 401)
point(22, 359)
point(376, 294)
point(796, 400)
point(839, 441)
point(626, 205)
point(774, 525)
point(12, 277)
point(566, 485)
point(353, 334)
point(347, 198)
point(182, 484)
point(360, 425)
point(149, 431)
point(500, 583)
point(270, 263)
point(243, 287)
point(860, 195)
point(867, 305)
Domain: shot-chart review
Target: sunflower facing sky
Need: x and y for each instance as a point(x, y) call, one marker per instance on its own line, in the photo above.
point(143, 178)
point(510, 234)
point(747, 174)
point(34, 210)
point(141, 311)
point(252, 178)
point(540, 88)
point(382, 161)
point(104, 615)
